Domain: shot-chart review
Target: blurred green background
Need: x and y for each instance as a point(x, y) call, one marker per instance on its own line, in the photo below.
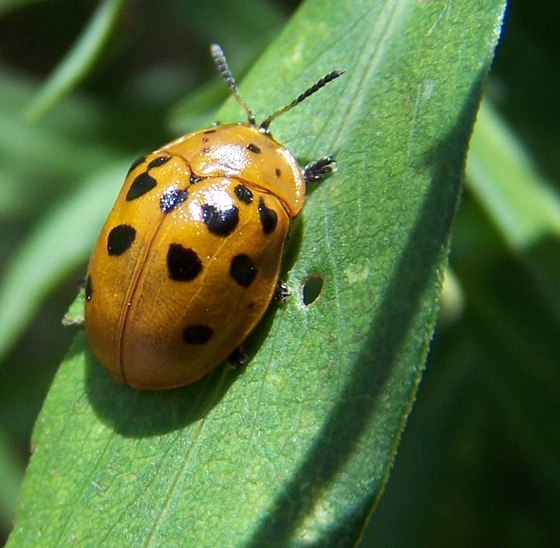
point(479, 462)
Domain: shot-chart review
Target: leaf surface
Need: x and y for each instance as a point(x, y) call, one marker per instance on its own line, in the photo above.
point(296, 448)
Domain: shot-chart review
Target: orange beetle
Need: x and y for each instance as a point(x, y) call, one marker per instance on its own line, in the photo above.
point(189, 258)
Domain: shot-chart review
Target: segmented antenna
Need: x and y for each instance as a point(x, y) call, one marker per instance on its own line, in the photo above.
point(223, 68)
point(307, 93)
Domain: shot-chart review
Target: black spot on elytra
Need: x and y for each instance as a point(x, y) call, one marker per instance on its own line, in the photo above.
point(142, 183)
point(156, 162)
point(253, 148)
point(89, 288)
point(210, 131)
point(183, 264)
point(268, 217)
point(221, 222)
point(242, 270)
point(197, 334)
point(278, 172)
point(171, 198)
point(120, 239)
point(244, 194)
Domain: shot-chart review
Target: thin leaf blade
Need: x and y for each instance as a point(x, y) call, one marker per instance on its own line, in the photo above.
point(79, 60)
point(297, 448)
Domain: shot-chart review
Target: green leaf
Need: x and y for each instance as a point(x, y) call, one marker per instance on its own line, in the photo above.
point(296, 448)
point(79, 60)
point(53, 154)
point(75, 314)
point(520, 202)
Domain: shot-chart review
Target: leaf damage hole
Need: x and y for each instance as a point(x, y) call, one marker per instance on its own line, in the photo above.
point(312, 288)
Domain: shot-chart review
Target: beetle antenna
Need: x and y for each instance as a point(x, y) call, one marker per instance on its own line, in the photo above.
point(307, 93)
point(223, 68)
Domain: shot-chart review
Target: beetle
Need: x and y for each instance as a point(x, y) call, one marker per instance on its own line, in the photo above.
point(189, 258)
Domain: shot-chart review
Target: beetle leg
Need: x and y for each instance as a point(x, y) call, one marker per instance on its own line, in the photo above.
point(237, 358)
point(318, 170)
point(281, 293)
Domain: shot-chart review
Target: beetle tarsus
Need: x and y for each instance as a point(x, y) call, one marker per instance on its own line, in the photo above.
point(237, 358)
point(281, 293)
point(319, 170)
